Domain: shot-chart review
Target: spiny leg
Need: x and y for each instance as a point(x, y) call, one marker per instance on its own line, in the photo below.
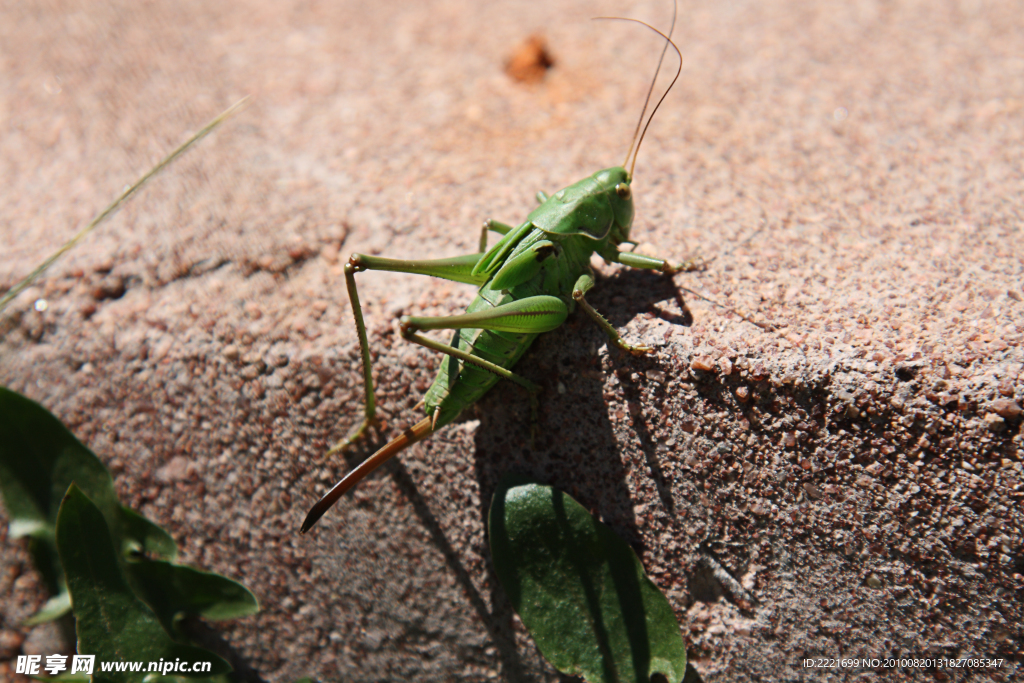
point(370, 405)
point(583, 285)
point(458, 269)
point(628, 258)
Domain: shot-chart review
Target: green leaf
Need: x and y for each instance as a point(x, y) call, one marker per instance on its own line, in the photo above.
point(172, 590)
point(580, 589)
point(111, 622)
point(142, 535)
point(39, 458)
point(54, 608)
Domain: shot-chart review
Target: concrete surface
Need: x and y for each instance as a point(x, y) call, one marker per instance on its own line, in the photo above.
point(847, 484)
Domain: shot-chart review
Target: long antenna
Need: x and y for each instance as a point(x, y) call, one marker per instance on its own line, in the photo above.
point(116, 204)
point(654, 111)
point(650, 90)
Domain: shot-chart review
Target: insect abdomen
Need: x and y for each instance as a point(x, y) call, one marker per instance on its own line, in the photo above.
point(460, 384)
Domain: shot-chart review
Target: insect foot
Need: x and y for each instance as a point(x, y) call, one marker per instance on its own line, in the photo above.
point(357, 434)
point(688, 266)
point(578, 295)
point(634, 349)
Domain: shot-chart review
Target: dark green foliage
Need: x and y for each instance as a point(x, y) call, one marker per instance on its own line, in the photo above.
point(113, 567)
point(580, 589)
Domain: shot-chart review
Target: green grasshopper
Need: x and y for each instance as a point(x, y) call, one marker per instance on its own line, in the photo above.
point(529, 282)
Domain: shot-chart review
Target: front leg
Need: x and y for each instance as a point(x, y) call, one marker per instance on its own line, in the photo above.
point(633, 260)
point(628, 258)
point(583, 285)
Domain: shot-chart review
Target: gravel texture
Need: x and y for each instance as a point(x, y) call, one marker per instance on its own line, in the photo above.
point(847, 482)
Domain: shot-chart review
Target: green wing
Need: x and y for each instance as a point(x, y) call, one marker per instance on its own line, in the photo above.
point(497, 254)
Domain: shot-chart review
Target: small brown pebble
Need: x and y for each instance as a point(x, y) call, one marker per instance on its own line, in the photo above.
point(742, 393)
point(703, 363)
point(1005, 408)
point(995, 422)
point(530, 62)
point(10, 643)
point(253, 310)
point(330, 253)
point(874, 582)
point(726, 365)
point(175, 470)
point(812, 491)
point(276, 360)
point(110, 287)
point(758, 372)
point(300, 252)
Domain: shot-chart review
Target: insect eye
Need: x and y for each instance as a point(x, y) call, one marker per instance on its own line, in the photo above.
point(622, 189)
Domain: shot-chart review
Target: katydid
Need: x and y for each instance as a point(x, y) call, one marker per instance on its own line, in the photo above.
point(529, 282)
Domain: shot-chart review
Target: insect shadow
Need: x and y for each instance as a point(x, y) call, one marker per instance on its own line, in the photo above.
point(650, 292)
point(578, 448)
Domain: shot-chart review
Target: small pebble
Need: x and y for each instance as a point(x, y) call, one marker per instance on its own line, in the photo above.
point(995, 422)
point(1005, 408)
point(703, 363)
